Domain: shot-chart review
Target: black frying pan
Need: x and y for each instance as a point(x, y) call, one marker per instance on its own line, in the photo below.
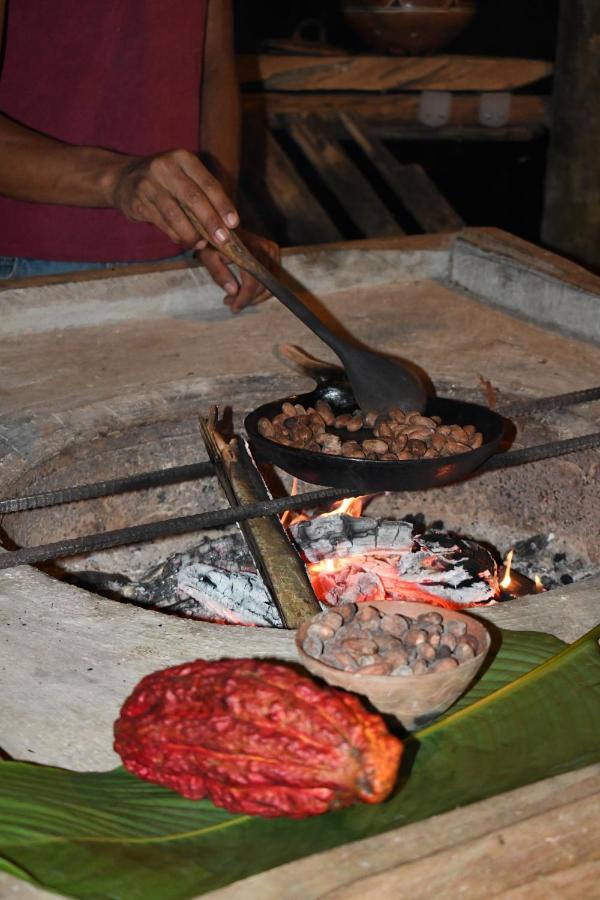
point(366, 475)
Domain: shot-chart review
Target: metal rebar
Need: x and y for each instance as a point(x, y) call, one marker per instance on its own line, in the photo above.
point(539, 452)
point(558, 401)
point(155, 478)
point(136, 534)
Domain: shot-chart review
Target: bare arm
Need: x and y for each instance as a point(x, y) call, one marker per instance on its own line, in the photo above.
point(156, 189)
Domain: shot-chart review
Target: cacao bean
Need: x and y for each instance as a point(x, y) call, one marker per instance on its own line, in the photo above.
point(366, 613)
point(404, 454)
point(426, 651)
point(419, 433)
point(448, 640)
point(416, 448)
point(376, 446)
point(455, 626)
point(319, 630)
point(279, 419)
point(370, 418)
point(399, 443)
point(430, 618)
point(359, 646)
point(476, 441)
point(454, 447)
point(402, 671)
point(332, 619)
point(355, 423)
point(383, 430)
point(389, 457)
point(288, 409)
point(419, 667)
point(458, 433)
point(414, 637)
point(377, 668)
point(394, 624)
point(437, 420)
point(438, 441)
point(325, 411)
point(469, 430)
point(397, 414)
point(265, 427)
point(313, 646)
point(443, 665)
point(300, 410)
point(347, 611)
point(431, 454)
point(463, 651)
point(342, 421)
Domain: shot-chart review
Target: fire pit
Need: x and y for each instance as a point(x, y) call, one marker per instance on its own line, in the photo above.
point(126, 418)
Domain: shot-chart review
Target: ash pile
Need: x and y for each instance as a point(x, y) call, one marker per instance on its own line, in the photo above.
point(348, 558)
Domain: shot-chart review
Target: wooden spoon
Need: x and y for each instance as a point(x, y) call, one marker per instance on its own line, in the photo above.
point(378, 382)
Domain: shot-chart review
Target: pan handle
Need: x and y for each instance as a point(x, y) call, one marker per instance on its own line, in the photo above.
point(236, 252)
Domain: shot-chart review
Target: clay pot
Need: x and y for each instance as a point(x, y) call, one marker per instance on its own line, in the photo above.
point(408, 27)
point(415, 699)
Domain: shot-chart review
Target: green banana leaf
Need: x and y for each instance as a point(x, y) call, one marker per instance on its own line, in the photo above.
point(110, 836)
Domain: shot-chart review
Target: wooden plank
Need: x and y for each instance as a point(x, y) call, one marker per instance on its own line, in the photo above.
point(571, 222)
point(384, 73)
point(343, 177)
point(397, 115)
point(410, 183)
point(456, 840)
point(304, 220)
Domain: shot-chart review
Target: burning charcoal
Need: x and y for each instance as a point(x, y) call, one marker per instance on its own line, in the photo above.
point(325, 411)
point(377, 668)
point(288, 409)
point(419, 667)
point(313, 646)
point(443, 665)
point(414, 637)
point(430, 618)
point(455, 627)
point(366, 613)
point(394, 624)
point(426, 651)
point(463, 651)
point(266, 427)
point(347, 611)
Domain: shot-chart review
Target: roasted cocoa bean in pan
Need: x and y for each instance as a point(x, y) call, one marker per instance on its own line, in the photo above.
point(364, 639)
point(393, 436)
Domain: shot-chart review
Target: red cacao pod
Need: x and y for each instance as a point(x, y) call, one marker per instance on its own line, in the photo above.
point(255, 738)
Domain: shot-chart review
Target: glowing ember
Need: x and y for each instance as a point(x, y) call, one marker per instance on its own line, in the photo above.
point(351, 506)
point(539, 587)
point(505, 583)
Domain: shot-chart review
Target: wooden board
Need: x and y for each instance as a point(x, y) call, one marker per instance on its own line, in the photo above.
point(384, 73)
point(397, 115)
point(411, 184)
point(351, 189)
point(275, 177)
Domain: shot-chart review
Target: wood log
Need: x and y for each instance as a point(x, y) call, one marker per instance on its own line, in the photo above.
point(411, 184)
point(384, 73)
point(571, 222)
point(343, 178)
point(396, 116)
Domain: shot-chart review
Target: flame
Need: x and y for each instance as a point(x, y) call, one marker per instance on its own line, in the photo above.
point(505, 583)
point(351, 506)
point(539, 587)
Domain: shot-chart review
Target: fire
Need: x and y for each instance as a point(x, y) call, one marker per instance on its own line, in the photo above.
point(505, 583)
point(539, 587)
point(351, 506)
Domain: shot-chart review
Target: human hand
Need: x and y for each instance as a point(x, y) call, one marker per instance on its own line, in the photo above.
point(161, 189)
point(248, 290)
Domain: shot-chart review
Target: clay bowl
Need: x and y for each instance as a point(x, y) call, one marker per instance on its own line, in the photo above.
point(414, 699)
point(412, 29)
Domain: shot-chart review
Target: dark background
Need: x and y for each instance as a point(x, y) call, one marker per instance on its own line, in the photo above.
point(488, 183)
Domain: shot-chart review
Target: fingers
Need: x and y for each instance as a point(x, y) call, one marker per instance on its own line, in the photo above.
point(249, 291)
point(175, 192)
point(219, 272)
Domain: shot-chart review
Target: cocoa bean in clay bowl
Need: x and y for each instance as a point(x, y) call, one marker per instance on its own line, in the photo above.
point(410, 659)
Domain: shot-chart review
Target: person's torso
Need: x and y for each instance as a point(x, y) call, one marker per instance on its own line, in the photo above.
point(120, 74)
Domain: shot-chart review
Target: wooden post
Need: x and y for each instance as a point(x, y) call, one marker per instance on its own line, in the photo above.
point(571, 222)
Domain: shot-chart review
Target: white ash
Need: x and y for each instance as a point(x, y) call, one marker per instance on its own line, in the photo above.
point(341, 535)
point(236, 597)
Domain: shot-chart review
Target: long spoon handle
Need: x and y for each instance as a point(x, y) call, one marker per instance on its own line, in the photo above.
point(236, 252)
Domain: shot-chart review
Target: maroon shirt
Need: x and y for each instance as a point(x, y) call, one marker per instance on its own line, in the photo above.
point(119, 74)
